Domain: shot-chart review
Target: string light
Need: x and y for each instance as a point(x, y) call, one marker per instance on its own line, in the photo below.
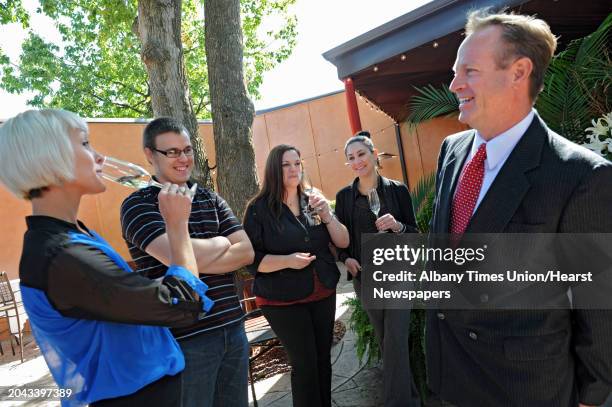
point(374, 107)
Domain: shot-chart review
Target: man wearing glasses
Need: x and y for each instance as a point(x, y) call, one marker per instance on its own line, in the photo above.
point(215, 348)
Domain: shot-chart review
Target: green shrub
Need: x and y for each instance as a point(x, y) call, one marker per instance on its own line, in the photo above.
point(366, 342)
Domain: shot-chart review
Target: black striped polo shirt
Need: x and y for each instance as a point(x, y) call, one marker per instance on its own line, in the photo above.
point(141, 223)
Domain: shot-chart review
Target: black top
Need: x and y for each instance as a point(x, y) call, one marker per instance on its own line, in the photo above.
point(211, 216)
point(364, 221)
point(351, 207)
point(81, 281)
point(287, 235)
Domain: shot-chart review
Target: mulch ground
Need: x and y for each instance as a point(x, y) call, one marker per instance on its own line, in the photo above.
point(275, 360)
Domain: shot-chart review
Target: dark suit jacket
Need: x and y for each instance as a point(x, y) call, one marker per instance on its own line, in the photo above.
point(528, 357)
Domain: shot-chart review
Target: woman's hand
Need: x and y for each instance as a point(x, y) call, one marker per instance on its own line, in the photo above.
point(352, 266)
point(175, 208)
point(299, 260)
point(175, 204)
point(386, 222)
point(318, 202)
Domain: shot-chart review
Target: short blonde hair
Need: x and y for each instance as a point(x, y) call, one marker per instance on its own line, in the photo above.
point(524, 36)
point(36, 151)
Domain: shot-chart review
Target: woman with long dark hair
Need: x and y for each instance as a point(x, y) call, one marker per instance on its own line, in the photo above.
point(391, 326)
point(295, 271)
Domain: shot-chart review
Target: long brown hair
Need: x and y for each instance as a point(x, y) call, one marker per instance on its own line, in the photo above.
point(272, 188)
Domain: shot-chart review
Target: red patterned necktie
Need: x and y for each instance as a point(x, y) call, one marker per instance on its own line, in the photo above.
point(468, 189)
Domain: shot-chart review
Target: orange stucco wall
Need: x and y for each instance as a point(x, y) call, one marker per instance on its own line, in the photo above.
point(317, 127)
point(422, 145)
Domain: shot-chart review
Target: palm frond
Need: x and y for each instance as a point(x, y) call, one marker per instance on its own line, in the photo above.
point(595, 43)
point(430, 103)
point(564, 104)
point(422, 189)
point(576, 85)
point(422, 200)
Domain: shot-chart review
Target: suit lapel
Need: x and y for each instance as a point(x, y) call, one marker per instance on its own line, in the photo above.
point(452, 169)
point(511, 183)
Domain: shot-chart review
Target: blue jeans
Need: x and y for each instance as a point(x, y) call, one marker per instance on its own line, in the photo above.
point(216, 368)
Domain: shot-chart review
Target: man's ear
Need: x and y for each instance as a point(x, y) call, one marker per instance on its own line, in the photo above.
point(521, 70)
point(149, 154)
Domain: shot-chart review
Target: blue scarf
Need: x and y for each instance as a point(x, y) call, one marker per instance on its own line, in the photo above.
point(99, 360)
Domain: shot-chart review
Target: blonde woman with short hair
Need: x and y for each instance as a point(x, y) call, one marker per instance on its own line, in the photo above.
point(98, 325)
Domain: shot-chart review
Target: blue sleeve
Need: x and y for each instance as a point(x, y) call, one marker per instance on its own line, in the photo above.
point(195, 283)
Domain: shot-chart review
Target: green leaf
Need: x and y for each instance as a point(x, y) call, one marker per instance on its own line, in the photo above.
point(366, 343)
point(577, 84)
point(422, 201)
point(422, 188)
point(430, 103)
point(12, 11)
point(97, 71)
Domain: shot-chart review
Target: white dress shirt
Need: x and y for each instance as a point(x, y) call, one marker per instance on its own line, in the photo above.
point(498, 151)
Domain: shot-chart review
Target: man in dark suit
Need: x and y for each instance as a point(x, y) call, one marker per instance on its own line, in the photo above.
point(511, 174)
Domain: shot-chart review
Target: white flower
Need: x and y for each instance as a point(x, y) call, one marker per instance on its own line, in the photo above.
point(601, 127)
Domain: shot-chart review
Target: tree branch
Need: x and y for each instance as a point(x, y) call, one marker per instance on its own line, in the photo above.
point(201, 103)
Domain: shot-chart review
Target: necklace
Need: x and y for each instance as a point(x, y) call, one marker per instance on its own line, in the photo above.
point(294, 206)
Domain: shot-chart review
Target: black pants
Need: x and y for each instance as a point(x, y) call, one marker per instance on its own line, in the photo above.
point(163, 392)
point(306, 332)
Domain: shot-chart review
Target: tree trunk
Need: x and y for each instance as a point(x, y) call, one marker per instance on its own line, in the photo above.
point(159, 30)
point(232, 110)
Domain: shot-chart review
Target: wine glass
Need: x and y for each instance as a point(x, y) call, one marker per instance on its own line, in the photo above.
point(127, 174)
point(308, 190)
point(374, 202)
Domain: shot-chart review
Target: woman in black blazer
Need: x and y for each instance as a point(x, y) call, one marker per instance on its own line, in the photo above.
point(295, 271)
point(391, 326)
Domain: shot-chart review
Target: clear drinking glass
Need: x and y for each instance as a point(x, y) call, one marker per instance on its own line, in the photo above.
point(374, 202)
point(127, 174)
point(308, 190)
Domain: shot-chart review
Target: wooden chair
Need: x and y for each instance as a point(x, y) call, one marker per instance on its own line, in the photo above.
point(8, 303)
point(258, 330)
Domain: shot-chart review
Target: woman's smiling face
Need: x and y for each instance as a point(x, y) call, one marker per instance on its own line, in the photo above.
point(361, 160)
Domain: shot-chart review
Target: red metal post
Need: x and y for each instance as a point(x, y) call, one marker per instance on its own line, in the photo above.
point(351, 105)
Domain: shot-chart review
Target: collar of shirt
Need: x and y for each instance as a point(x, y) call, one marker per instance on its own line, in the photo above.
point(382, 181)
point(500, 146)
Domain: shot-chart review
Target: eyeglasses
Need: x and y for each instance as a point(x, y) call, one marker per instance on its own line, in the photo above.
point(175, 152)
